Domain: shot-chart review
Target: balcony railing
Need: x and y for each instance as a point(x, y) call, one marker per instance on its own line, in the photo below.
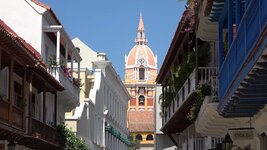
point(43, 131)
point(4, 106)
point(199, 144)
point(205, 74)
point(65, 80)
point(17, 114)
point(251, 26)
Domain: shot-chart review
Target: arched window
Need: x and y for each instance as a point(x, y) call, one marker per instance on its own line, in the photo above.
point(138, 137)
point(141, 73)
point(149, 137)
point(141, 100)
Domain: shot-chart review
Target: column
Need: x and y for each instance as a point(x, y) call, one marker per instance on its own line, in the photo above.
point(79, 69)
point(66, 55)
point(55, 108)
point(11, 90)
point(24, 96)
point(72, 65)
point(220, 54)
point(44, 105)
point(247, 3)
point(230, 22)
point(238, 13)
point(58, 53)
point(103, 132)
point(30, 104)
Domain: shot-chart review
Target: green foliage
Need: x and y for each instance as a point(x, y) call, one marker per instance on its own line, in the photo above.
point(205, 90)
point(178, 76)
point(53, 62)
point(189, 2)
point(68, 141)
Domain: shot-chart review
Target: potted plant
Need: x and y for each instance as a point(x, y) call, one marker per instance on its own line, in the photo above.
point(35, 133)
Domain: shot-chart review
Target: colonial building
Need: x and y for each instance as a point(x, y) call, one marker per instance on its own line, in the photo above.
point(80, 119)
point(140, 75)
point(239, 30)
point(231, 37)
point(187, 76)
point(101, 118)
point(27, 90)
point(38, 89)
point(52, 42)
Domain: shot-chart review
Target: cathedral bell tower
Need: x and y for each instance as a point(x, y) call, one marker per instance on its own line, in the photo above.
point(140, 75)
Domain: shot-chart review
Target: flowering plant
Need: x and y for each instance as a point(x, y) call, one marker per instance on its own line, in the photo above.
point(67, 72)
point(188, 22)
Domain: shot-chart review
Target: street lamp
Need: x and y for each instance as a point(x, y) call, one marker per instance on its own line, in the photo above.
point(228, 143)
point(11, 145)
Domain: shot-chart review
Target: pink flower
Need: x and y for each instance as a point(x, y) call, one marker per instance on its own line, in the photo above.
point(187, 29)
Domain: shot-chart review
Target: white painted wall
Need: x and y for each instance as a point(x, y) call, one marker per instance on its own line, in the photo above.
point(24, 17)
point(109, 94)
point(88, 55)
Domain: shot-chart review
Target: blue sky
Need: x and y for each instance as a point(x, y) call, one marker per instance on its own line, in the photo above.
point(110, 26)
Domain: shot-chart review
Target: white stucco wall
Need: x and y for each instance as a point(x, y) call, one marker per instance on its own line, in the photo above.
point(24, 17)
point(108, 95)
point(88, 55)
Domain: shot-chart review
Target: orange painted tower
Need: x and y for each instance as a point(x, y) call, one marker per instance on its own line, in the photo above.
point(140, 75)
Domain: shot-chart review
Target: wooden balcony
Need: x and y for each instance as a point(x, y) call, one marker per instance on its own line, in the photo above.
point(42, 136)
point(4, 106)
point(43, 131)
point(17, 117)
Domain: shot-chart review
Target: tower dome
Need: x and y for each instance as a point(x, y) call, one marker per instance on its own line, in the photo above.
point(141, 56)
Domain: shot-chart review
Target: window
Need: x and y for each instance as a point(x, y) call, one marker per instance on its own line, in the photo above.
point(138, 137)
point(149, 137)
point(33, 106)
point(78, 49)
point(18, 100)
point(141, 73)
point(141, 100)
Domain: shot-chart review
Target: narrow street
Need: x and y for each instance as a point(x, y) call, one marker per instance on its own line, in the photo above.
point(133, 75)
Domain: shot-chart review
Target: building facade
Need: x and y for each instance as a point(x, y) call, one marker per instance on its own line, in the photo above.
point(140, 75)
point(27, 89)
point(231, 36)
point(188, 77)
point(43, 97)
point(239, 30)
point(101, 118)
point(51, 41)
point(80, 120)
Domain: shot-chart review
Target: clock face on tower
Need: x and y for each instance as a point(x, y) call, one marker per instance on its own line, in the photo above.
point(141, 61)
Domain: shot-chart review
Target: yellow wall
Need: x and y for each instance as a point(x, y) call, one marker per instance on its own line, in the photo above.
point(144, 135)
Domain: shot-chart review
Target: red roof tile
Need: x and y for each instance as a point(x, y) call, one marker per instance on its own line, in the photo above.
point(47, 7)
point(31, 51)
point(41, 4)
point(141, 121)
